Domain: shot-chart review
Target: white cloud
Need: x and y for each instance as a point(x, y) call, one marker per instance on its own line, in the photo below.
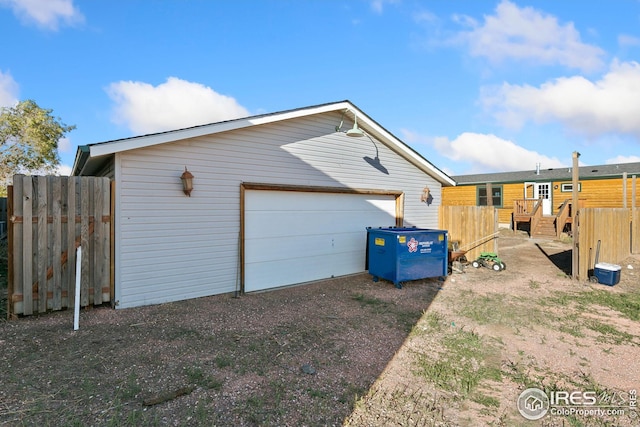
point(378, 5)
point(609, 105)
point(47, 14)
point(623, 159)
point(425, 17)
point(175, 104)
point(528, 34)
point(63, 170)
point(627, 40)
point(8, 90)
point(64, 145)
point(485, 152)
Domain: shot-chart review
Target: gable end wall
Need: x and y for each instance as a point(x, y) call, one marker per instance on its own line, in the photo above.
point(172, 247)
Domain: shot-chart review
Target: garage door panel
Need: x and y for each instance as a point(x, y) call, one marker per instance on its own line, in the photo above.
point(296, 237)
point(273, 201)
point(289, 247)
point(310, 224)
point(299, 270)
point(285, 223)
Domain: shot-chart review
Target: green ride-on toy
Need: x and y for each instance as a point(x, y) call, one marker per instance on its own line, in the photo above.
point(489, 260)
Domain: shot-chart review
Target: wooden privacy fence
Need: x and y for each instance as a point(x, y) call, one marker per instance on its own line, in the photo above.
point(49, 218)
point(635, 231)
point(475, 227)
point(3, 216)
point(613, 228)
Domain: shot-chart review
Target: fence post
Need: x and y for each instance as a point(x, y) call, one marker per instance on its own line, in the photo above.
point(10, 234)
point(76, 307)
point(634, 224)
point(624, 190)
point(575, 228)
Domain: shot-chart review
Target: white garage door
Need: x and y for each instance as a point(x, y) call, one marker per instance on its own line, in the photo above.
point(294, 237)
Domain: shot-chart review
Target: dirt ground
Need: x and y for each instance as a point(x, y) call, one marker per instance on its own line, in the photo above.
point(336, 352)
point(547, 348)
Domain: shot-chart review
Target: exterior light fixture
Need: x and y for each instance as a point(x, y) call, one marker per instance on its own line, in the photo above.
point(187, 182)
point(355, 130)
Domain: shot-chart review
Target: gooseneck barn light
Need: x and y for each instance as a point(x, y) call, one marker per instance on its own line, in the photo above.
point(187, 182)
point(355, 130)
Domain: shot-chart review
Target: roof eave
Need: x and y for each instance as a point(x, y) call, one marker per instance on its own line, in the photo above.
point(365, 122)
point(82, 156)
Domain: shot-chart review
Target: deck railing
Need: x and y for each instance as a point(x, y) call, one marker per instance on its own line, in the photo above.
point(525, 207)
point(565, 214)
point(536, 215)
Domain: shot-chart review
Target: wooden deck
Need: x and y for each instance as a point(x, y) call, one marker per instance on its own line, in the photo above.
point(529, 211)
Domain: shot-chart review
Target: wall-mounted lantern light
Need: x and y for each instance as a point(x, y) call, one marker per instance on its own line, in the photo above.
point(187, 182)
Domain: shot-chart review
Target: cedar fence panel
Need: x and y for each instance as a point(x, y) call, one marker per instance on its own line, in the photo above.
point(612, 227)
point(49, 218)
point(473, 226)
point(635, 231)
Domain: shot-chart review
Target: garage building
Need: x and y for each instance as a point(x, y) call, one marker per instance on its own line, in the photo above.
point(278, 199)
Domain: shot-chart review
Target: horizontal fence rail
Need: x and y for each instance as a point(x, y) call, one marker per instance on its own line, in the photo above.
point(49, 218)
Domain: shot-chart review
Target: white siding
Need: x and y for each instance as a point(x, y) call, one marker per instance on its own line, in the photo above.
point(172, 247)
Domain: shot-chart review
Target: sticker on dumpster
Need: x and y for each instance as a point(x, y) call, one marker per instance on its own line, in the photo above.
point(402, 239)
point(440, 237)
point(425, 247)
point(379, 241)
point(413, 245)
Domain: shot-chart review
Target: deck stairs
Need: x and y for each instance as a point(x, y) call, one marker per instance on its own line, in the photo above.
point(529, 212)
point(545, 228)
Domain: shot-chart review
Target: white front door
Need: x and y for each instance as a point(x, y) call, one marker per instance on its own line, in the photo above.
point(543, 191)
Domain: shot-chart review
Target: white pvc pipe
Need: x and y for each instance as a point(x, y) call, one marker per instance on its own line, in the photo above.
point(76, 305)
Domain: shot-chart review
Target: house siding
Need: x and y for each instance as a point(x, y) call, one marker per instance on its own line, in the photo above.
point(172, 247)
point(595, 193)
point(602, 193)
point(466, 195)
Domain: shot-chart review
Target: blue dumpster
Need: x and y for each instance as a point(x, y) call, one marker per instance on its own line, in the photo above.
point(402, 254)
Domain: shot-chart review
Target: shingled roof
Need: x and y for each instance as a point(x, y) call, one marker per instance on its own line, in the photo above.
point(555, 174)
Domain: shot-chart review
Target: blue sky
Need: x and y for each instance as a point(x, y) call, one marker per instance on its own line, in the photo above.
point(474, 86)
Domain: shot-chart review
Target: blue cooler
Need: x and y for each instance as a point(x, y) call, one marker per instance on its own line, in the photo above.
point(607, 274)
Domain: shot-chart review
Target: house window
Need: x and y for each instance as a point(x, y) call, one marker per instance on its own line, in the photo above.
point(568, 188)
point(496, 195)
